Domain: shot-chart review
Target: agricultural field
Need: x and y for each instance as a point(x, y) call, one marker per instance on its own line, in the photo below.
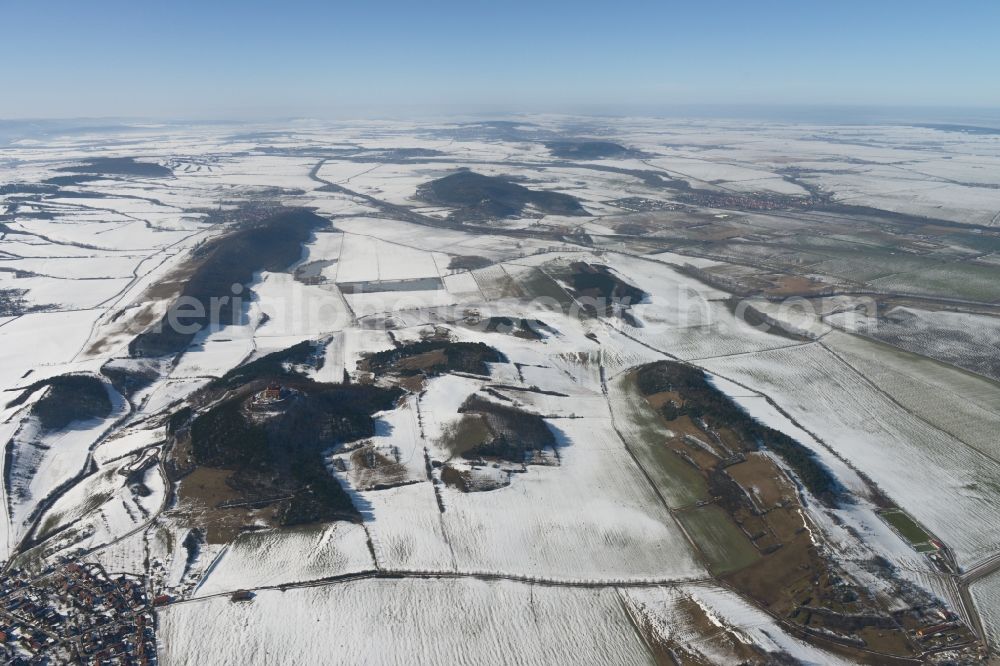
point(967, 340)
point(533, 391)
point(945, 484)
point(986, 595)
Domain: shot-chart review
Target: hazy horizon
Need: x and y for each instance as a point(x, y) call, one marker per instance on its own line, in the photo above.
point(832, 113)
point(256, 61)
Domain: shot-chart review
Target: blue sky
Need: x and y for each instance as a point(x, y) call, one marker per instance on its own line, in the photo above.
point(220, 58)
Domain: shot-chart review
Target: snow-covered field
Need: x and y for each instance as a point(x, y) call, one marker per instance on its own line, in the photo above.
point(549, 523)
point(986, 596)
point(967, 340)
point(949, 486)
point(395, 621)
point(470, 621)
point(282, 557)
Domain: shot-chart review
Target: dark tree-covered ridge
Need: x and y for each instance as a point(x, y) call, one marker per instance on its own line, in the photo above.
point(514, 433)
point(119, 166)
point(278, 453)
point(69, 398)
point(702, 401)
point(435, 357)
point(480, 196)
point(583, 149)
point(270, 244)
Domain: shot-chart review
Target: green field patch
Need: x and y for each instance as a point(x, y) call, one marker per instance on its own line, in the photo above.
point(949, 279)
point(906, 526)
point(679, 482)
point(724, 545)
point(536, 283)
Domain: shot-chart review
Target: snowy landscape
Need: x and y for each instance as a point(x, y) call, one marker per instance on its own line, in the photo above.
point(540, 389)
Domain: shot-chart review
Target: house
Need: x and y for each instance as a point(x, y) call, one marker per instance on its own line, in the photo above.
point(925, 632)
